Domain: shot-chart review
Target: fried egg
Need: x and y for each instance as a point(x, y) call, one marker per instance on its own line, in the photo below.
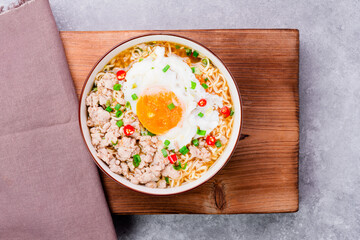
point(162, 95)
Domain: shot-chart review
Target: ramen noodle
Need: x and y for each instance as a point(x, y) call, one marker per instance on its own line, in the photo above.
point(160, 114)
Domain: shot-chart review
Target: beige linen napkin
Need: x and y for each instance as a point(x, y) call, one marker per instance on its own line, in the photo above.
point(49, 185)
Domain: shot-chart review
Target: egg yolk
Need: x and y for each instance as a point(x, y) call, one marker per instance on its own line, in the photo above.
point(159, 110)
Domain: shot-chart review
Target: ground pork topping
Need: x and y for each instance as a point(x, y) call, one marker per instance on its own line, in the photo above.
point(138, 156)
point(202, 153)
point(126, 148)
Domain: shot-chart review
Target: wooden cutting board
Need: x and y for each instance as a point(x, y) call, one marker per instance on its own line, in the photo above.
point(262, 175)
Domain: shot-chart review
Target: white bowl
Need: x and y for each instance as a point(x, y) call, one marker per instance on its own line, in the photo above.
point(235, 95)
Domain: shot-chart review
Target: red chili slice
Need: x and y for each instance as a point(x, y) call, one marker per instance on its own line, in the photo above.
point(121, 75)
point(172, 158)
point(128, 130)
point(225, 110)
point(202, 102)
point(210, 140)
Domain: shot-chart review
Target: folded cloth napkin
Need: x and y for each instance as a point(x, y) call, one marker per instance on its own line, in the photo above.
point(49, 185)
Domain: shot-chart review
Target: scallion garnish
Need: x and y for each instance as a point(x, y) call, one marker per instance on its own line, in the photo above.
point(195, 54)
point(150, 133)
point(205, 85)
point(119, 123)
point(118, 113)
point(164, 152)
point(195, 142)
point(166, 68)
point(94, 89)
point(109, 109)
point(231, 112)
point(184, 150)
point(107, 104)
point(117, 87)
point(206, 79)
point(166, 142)
point(193, 69)
point(178, 166)
point(200, 114)
point(201, 132)
point(218, 143)
point(117, 107)
point(193, 85)
point(171, 106)
point(204, 61)
point(136, 160)
point(134, 96)
point(188, 52)
point(167, 180)
point(177, 46)
point(127, 105)
point(141, 59)
point(114, 144)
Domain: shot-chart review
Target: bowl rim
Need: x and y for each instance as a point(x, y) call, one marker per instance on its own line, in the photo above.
point(172, 35)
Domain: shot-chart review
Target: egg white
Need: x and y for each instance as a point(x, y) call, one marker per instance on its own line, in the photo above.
point(149, 74)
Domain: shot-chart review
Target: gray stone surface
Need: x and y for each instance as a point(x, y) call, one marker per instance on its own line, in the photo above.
point(329, 109)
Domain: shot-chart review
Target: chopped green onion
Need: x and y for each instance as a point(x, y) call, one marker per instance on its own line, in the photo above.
point(94, 89)
point(119, 123)
point(218, 143)
point(109, 109)
point(171, 106)
point(118, 113)
point(150, 133)
point(201, 132)
point(184, 150)
point(195, 142)
point(205, 85)
point(200, 114)
point(166, 68)
point(117, 87)
point(206, 79)
point(164, 152)
point(134, 96)
point(188, 52)
point(167, 180)
point(195, 54)
point(166, 142)
point(184, 167)
point(117, 107)
point(141, 59)
point(177, 167)
point(231, 112)
point(204, 61)
point(107, 104)
point(193, 69)
point(139, 49)
point(193, 85)
point(152, 67)
point(127, 105)
point(177, 46)
point(136, 160)
point(114, 144)
point(134, 86)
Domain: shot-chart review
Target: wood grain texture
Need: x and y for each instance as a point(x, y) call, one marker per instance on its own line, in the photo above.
point(262, 175)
